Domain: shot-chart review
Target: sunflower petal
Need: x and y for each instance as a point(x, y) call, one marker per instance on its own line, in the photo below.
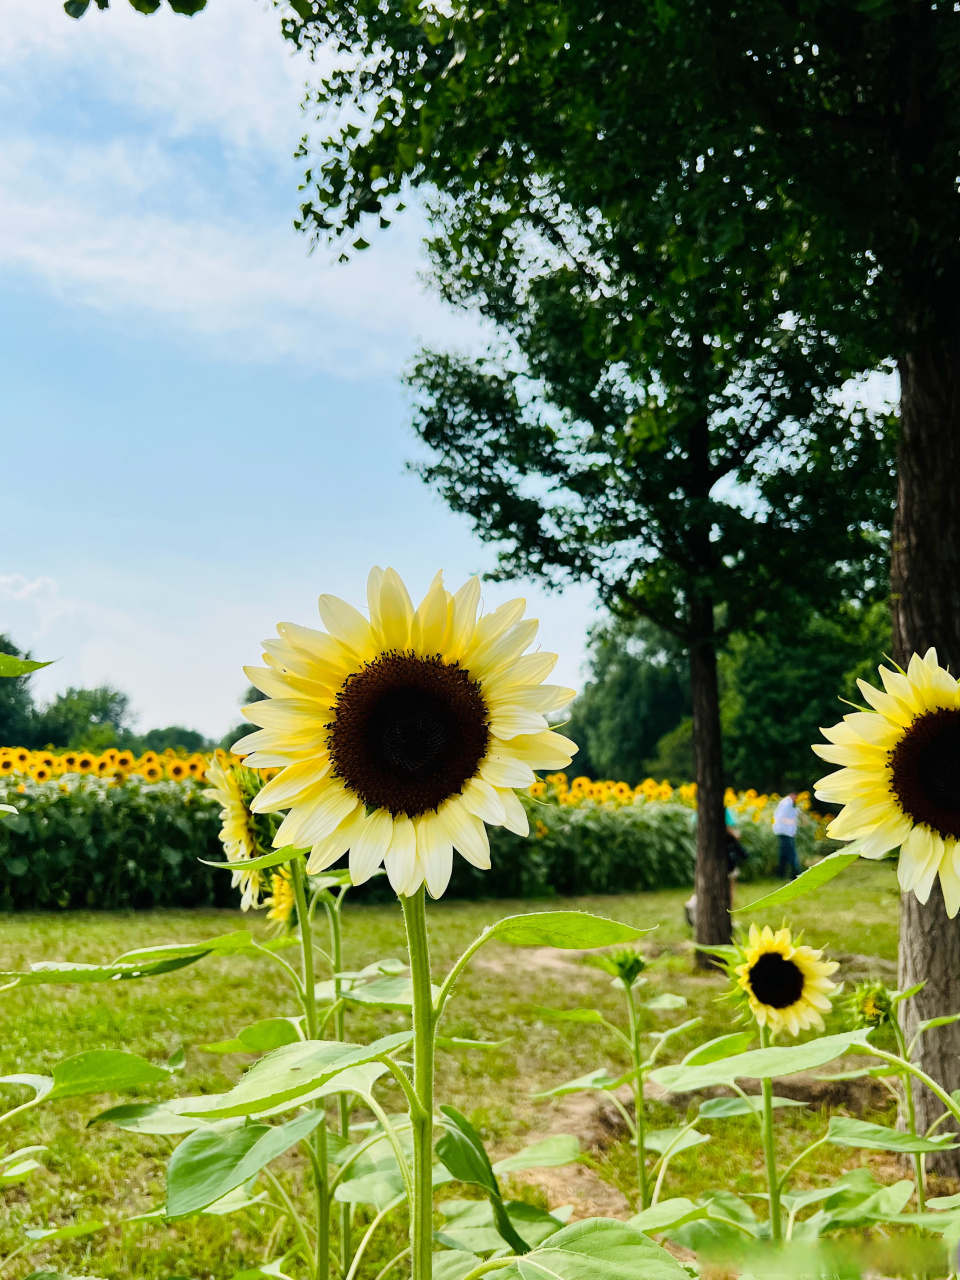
point(370, 845)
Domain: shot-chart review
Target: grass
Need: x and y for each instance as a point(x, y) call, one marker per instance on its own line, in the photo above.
point(104, 1172)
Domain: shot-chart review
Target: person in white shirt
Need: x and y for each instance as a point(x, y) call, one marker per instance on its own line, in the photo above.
point(785, 821)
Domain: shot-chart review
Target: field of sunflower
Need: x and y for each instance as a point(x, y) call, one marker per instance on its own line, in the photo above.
point(112, 830)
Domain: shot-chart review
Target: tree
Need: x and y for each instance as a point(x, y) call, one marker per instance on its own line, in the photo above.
point(16, 704)
point(638, 690)
point(784, 684)
point(87, 718)
point(646, 373)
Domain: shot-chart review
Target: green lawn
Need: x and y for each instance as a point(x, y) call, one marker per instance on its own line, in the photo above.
point(105, 1172)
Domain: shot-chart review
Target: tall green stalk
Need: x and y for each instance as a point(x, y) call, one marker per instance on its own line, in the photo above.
point(638, 1096)
point(421, 1115)
point(332, 907)
point(322, 1261)
point(918, 1158)
point(770, 1147)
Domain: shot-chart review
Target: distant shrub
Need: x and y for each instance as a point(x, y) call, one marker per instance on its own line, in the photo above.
point(84, 841)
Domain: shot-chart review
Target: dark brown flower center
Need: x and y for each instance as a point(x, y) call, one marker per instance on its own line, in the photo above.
point(926, 771)
point(776, 981)
point(408, 732)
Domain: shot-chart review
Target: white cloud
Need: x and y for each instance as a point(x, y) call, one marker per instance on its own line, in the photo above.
point(195, 235)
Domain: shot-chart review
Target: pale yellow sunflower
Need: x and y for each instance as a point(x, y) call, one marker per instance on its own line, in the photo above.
point(282, 898)
point(900, 784)
point(787, 987)
point(400, 735)
point(236, 832)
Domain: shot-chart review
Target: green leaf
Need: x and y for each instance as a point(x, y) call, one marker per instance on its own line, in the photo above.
point(9, 665)
point(471, 1225)
point(260, 1037)
point(463, 1153)
point(819, 874)
point(599, 1078)
point(567, 930)
point(272, 859)
point(758, 1064)
point(667, 1214)
point(103, 1071)
point(453, 1264)
point(844, 1131)
point(726, 1108)
point(600, 1249)
point(240, 942)
point(41, 1085)
point(65, 1233)
point(665, 1001)
point(452, 1043)
point(65, 972)
point(288, 1074)
point(386, 993)
point(878, 1207)
point(663, 1140)
point(17, 1165)
point(723, 1047)
point(215, 1160)
point(929, 1023)
point(593, 1016)
point(147, 1117)
point(910, 991)
point(560, 1149)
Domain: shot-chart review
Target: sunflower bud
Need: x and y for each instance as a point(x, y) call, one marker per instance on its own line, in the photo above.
point(870, 1005)
point(627, 965)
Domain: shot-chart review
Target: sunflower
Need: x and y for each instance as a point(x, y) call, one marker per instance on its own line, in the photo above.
point(40, 772)
point(900, 784)
point(7, 764)
point(22, 757)
point(151, 772)
point(281, 901)
point(177, 770)
point(86, 763)
point(125, 761)
point(786, 986)
point(236, 831)
point(70, 759)
point(398, 738)
point(196, 766)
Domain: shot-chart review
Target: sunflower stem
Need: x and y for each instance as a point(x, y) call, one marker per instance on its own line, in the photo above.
point(919, 1160)
point(638, 1096)
point(769, 1147)
point(424, 1026)
point(332, 906)
point(320, 1164)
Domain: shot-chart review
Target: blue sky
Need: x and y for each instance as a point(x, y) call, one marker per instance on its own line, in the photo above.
point(203, 425)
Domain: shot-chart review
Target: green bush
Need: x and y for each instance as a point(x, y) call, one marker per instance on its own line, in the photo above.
point(84, 842)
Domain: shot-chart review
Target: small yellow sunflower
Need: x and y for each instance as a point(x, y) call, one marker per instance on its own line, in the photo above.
point(787, 987)
point(86, 763)
point(236, 831)
point(399, 736)
point(7, 764)
point(151, 772)
point(70, 759)
point(22, 757)
point(125, 761)
point(900, 784)
point(282, 900)
point(177, 770)
point(40, 773)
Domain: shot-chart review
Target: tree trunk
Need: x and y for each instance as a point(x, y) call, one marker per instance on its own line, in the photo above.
point(712, 882)
point(925, 604)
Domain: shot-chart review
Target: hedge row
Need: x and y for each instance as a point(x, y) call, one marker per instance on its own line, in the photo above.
point(89, 843)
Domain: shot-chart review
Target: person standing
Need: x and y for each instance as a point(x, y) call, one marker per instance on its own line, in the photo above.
point(785, 821)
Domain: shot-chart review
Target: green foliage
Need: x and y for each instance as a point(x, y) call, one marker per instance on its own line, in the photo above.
point(16, 702)
point(77, 8)
point(786, 684)
point(89, 718)
point(90, 844)
point(638, 691)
